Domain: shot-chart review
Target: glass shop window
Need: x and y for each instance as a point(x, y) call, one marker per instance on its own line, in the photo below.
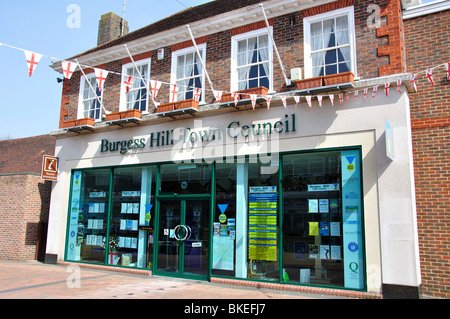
point(88, 216)
point(131, 226)
point(322, 235)
point(192, 178)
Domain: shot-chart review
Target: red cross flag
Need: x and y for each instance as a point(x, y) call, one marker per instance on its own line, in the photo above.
point(356, 94)
point(283, 98)
point(173, 93)
point(268, 99)
point(155, 86)
point(128, 82)
point(386, 88)
point(374, 90)
point(32, 61)
point(100, 75)
point(197, 94)
point(331, 98)
point(430, 76)
point(399, 83)
point(366, 90)
point(447, 66)
point(341, 98)
point(319, 98)
point(297, 100)
point(68, 69)
point(218, 95)
point(308, 99)
point(236, 98)
point(253, 99)
point(412, 80)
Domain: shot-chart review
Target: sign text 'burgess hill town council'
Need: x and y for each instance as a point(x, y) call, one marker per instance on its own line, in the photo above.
point(234, 130)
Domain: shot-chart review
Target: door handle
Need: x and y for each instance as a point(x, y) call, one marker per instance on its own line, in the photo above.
point(186, 230)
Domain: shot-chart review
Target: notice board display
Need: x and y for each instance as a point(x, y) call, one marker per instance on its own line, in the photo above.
point(262, 223)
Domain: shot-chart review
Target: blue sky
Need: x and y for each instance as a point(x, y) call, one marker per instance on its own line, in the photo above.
point(30, 106)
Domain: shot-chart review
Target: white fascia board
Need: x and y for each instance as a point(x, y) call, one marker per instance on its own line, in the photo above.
point(215, 24)
point(426, 8)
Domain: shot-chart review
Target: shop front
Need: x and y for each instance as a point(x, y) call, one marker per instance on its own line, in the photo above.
point(287, 196)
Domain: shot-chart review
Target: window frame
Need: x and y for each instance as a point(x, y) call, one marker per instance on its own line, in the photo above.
point(123, 92)
point(185, 51)
point(234, 56)
point(81, 100)
point(349, 11)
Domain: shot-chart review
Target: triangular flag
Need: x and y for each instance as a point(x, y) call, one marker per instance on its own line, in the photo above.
point(268, 99)
point(319, 98)
point(412, 80)
point(154, 87)
point(331, 96)
point(253, 99)
point(297, 100)
point(447, 66)
point(197, 94)
point(148, 207)
point(223, 207)
point(386, 88)
point(399, 83)
point(341, 98)
point(218, 95)
point(283, 98)
point(374, 90)
point(173, 97)
point(68, 69)
point(100, 75)
point(366, 90)
point(308, 99)
point(236, 97)
point(128, 82)
point(356, 94)
point(32, 61)
point(346, 97)
point(430, 76)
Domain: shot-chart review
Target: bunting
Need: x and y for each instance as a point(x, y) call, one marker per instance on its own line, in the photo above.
point(69, 67)
point(32, 59)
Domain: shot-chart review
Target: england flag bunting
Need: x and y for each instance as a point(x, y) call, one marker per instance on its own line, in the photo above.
point(68, 68)
point(308, 99)
point(374, 90)
point(341, 99)
point(386, 88)
point(447, 66)
point(412, 80)
point(297, 100)
point(218, 95)
point(235, 95)
point(399, 83)
point(253, 99)
point(430, 76)
point(356, 94)
point(154, 87)
point(268, 99)
point(128, 81)
point(32, 61)
point(319, 98)
point(197, 93)
point(366, 90)
point(100, 76)
point(173, 93)
point(283, 98)
point(331, 96)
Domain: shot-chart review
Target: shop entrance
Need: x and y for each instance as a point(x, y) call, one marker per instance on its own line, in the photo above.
point(183, 238)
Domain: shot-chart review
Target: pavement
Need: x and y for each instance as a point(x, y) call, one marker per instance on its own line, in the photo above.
point(36, 280)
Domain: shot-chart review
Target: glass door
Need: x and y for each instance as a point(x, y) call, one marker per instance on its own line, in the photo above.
point(183, 238)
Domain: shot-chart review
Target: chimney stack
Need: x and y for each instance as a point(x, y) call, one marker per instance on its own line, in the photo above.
point(110, 28)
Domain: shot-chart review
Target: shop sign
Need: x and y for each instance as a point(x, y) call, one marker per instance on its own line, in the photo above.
point(49, 170)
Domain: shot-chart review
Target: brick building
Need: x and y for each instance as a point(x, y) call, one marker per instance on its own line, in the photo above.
point(174, 181)
point(24, 198)
point(427, 45)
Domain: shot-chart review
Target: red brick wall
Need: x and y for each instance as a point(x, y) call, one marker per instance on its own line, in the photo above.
point(289, 38)
point(24, 202)
point(427, 44)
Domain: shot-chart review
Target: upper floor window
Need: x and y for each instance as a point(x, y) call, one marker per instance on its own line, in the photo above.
point(330, 43)
point(137, 96)
point(251, 61)
point(89, 104)
point(187, 72)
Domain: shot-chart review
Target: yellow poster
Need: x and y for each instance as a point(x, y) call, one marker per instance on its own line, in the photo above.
point(313, 229)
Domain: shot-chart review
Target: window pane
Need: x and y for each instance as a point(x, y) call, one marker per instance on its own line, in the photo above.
point(341, 23)
point(331, 69)
point(186, 179)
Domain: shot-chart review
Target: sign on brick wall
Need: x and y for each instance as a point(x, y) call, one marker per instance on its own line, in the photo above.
point(49, 168)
